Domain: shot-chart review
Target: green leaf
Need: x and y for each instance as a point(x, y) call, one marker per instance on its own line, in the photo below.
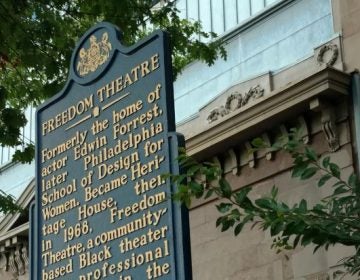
point(306, 239)
point(241, 195)
point(227, 224)
point(274, 192)
point(187, 201)
point(264, 203)
point(353, 181)
point(316, 248)
point(308, 173)
point(258, 143)
point(193, 169)
point(296, 241)
point(8, 204)
point(334, 169)
point(24, 156)
point(340, 190)
point(196, 189)
point(219, 221)
point(324, 179)
point(276, 228)
point(310, 153)
point(235, 214)
point(326, 162)
point(238, 229)
point(225, 188)
point(179, 179)
point(299, 168)
point(303, 206)
point(224, 207)
point(319, 209)
point(209, 193)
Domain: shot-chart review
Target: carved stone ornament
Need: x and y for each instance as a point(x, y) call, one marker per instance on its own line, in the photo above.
point(97, 54)
point(318, 276)
point(235, 101)
point(328, 122)
point(334, 53)
point(14, 261)
point(216, 113)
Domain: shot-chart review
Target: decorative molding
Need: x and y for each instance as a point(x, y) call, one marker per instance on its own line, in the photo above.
point(234, 102)
point(19, 261)
point(216, 113)
point(25, 255)
point(233, 163)
point(327, 122)
point(276, 108)
point(12, 264)
point(251, 154)
point(328, 48)
point(217, 161)
point(284, 134)
point(303, 129)
point(4, 261)
point(232, 160)
point(318, 276)
point(268, 153)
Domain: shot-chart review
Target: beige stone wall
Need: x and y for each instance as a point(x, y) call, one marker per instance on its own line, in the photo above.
point(346, 15)
point(221, 255)
point(218, 255)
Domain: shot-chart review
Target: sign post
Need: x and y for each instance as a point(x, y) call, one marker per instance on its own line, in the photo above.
point(102, 208)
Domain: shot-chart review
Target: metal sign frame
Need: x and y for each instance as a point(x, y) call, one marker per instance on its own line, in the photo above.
point(102, 209)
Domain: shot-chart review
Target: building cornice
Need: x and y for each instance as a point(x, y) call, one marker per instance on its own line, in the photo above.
point(327, 84)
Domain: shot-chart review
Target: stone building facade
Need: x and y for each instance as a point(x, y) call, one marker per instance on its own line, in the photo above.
point(290, 63)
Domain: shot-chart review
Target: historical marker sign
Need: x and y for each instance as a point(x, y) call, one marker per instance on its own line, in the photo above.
point(102, 209)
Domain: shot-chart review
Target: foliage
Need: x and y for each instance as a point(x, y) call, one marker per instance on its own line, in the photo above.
point(333, 220)
point(37, 39)
point(7, 204)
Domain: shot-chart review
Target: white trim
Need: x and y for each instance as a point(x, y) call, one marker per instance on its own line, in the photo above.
point(23, 201)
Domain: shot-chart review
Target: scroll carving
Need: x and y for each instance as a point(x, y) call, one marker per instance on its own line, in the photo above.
point(327, 122)
point(329, 128)
point(234, 102)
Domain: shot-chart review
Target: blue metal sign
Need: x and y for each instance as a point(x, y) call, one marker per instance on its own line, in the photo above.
point(102, 208)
